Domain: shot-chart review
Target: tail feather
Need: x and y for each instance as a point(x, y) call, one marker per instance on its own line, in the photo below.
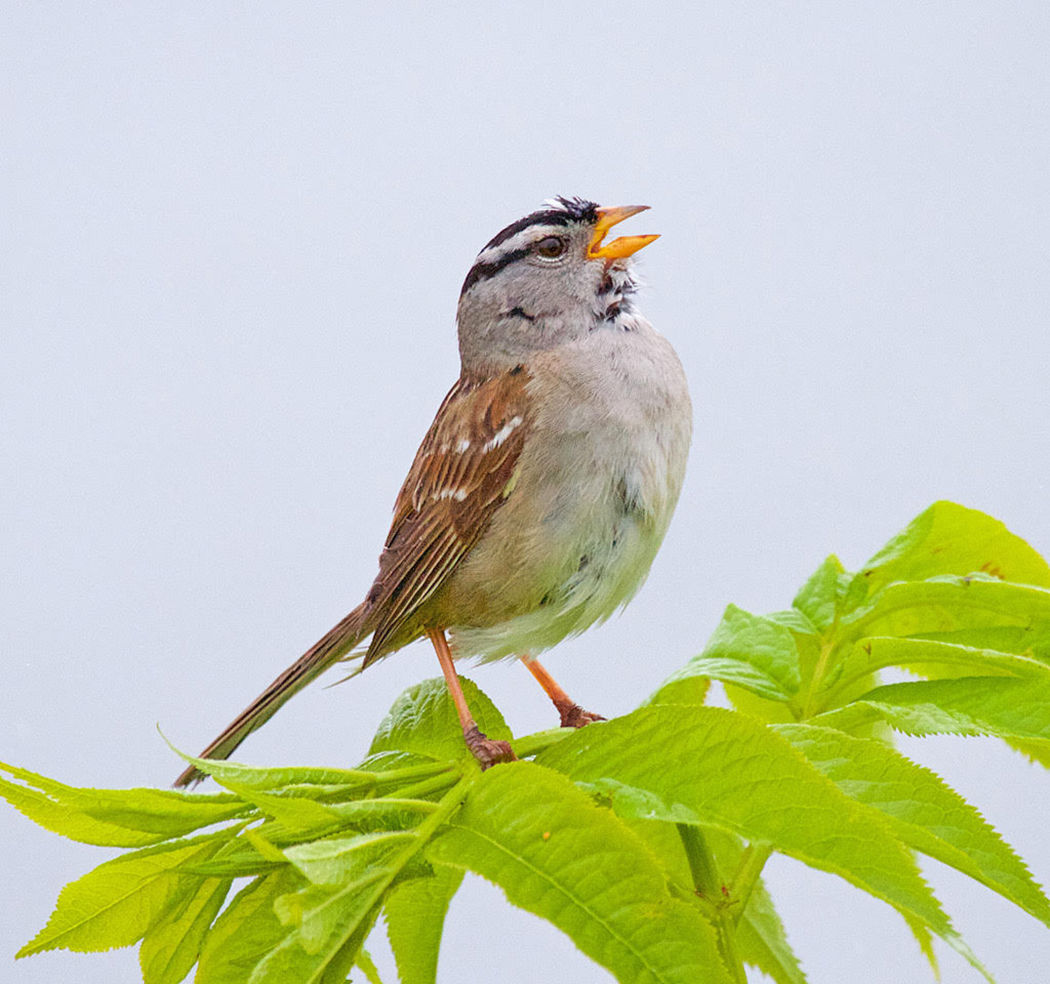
point(335, 644)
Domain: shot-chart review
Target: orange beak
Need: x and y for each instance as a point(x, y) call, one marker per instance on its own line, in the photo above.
point(618, 248)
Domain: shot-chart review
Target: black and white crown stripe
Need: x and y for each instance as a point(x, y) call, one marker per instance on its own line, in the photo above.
point(512, 243)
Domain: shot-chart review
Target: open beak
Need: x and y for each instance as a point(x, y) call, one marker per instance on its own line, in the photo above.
point(618, 248)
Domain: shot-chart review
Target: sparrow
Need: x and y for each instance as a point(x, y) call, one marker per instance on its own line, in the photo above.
point(543, 489)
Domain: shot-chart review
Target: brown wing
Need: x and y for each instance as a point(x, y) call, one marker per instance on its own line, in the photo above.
point(461, 475)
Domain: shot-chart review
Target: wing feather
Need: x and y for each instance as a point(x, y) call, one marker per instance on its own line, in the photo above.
point(459, 478)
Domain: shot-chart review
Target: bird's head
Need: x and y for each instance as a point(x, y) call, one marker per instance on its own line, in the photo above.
point(545, 279)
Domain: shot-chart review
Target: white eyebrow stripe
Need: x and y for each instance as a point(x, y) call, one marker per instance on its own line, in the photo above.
point(502, 434)
point(520, 241)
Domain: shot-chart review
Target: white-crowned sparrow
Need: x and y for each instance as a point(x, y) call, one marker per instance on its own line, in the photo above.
point(540, 495)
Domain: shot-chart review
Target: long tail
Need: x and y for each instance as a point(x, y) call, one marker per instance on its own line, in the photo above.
point(335, 643)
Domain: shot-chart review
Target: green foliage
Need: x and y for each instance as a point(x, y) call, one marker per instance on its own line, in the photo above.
point(112, 818)
point(414, 912)
point(556, 853)
point(642, 838)
point(726, 770)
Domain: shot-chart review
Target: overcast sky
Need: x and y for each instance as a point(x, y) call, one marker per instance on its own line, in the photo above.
point(233, 239)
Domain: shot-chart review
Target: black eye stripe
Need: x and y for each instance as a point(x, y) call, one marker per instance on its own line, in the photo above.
point(570, 210)
point(482, 271)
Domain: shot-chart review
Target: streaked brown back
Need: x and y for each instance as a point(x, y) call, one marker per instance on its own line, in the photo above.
point(461, 475)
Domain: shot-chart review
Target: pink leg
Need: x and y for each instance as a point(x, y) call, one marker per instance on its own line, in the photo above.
point(572, 715)
point(485, 750)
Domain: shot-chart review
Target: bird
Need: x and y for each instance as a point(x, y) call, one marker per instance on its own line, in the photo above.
point(542, 491)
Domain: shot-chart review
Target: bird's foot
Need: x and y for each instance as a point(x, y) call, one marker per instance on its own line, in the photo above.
point(487, 751)
point(574, 716)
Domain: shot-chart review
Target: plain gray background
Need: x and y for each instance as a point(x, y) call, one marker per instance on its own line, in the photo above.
point(233, 239)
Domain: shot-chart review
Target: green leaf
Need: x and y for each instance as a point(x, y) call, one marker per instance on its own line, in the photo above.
point(929, 657)
point(415, 912)
point(350, 955)
point(760, 937)
point(1037, 752)
point(819, 597)
point(113, 817)
point(119, 901)
point(1031, 640)
point(257, 849)
point(329, 926)
point(747, 650)
point(950, 539)
point(324, 917)
point(943, 604)
point(173, 944)
point(763, 942)
point(678, 688)
point(338, 860)
point(749, 703)
point(556, 854)
point(331, 919)
point(1001, 706)
point(924, 938)
point(245, 862)
point(705, 765)
point(361, 816)
point(247, 931)
point(423, 720)
point(296, 815)
point(681, 688)
point(368, 968)
point(922, 810)
point(267, 778)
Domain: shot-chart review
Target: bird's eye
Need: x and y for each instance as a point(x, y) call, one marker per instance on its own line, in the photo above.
point(550, 247)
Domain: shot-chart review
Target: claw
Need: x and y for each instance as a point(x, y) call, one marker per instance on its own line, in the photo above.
point(487, 751)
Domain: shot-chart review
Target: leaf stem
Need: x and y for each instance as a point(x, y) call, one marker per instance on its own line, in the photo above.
point(827, 646)
point(427, 786)
point(419, 836)
point(701, 861)
point(709, 888)
point(446, 806)
point(752, 861)
point(706, 906)
point(395, 776)
point(727, 946)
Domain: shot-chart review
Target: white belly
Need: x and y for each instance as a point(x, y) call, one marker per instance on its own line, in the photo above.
point(601, 472)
